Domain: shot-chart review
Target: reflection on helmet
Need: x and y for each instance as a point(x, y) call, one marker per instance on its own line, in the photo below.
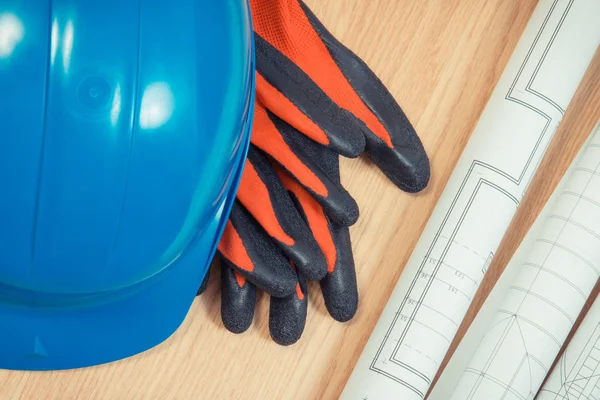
point(124, 130)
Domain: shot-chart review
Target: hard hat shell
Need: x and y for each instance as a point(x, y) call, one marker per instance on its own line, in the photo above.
point(124, 127)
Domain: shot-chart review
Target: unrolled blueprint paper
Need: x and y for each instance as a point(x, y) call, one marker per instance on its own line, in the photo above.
point(458, 244)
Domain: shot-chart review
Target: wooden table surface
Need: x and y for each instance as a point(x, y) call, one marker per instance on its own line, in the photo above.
point(441, 59)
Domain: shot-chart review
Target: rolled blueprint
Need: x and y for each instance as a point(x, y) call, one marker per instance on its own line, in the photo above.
point(540, 307)
point(458, 244)
point(577, 373)
point(480, 326)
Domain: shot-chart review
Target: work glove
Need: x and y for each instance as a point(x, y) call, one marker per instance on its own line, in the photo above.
point(316, 100)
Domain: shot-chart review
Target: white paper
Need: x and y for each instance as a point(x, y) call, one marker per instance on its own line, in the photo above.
point(576, 376)
point(469, 344)
point(541, 306)
point(440, 279)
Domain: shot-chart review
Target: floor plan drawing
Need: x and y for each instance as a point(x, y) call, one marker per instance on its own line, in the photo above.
point(576, 376)
point(446, 268)
point(583, 382)
point(543, 303)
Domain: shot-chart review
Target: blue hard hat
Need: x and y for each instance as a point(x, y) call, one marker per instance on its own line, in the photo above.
point(124, 127)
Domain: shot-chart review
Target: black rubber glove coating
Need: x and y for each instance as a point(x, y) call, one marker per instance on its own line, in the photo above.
point(287, 316)
point(237, 303)
point(273, 272)
point(305, 253)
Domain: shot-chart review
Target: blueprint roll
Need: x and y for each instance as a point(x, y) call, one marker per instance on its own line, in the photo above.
point(577, 373)
point(438, 283)
point(538, 310)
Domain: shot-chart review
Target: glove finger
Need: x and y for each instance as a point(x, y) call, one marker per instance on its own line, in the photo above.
point(314, 166)
point(313, 214)
point(263, 195)
point(299, 57)
point(392, 141)
point(339, 287)
point(254, 255)
point(308, 109)
point(296, 74)
point(287, 316)
point(238, 299)
point(204, 284)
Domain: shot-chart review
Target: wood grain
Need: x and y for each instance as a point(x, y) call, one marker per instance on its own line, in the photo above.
point(441, 60)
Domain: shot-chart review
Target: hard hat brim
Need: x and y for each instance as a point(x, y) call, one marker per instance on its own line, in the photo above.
point(75, 332)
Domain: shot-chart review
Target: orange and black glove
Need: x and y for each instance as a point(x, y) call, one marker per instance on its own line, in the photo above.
point(316, 100)
point(313, 82)
point(253, 251)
